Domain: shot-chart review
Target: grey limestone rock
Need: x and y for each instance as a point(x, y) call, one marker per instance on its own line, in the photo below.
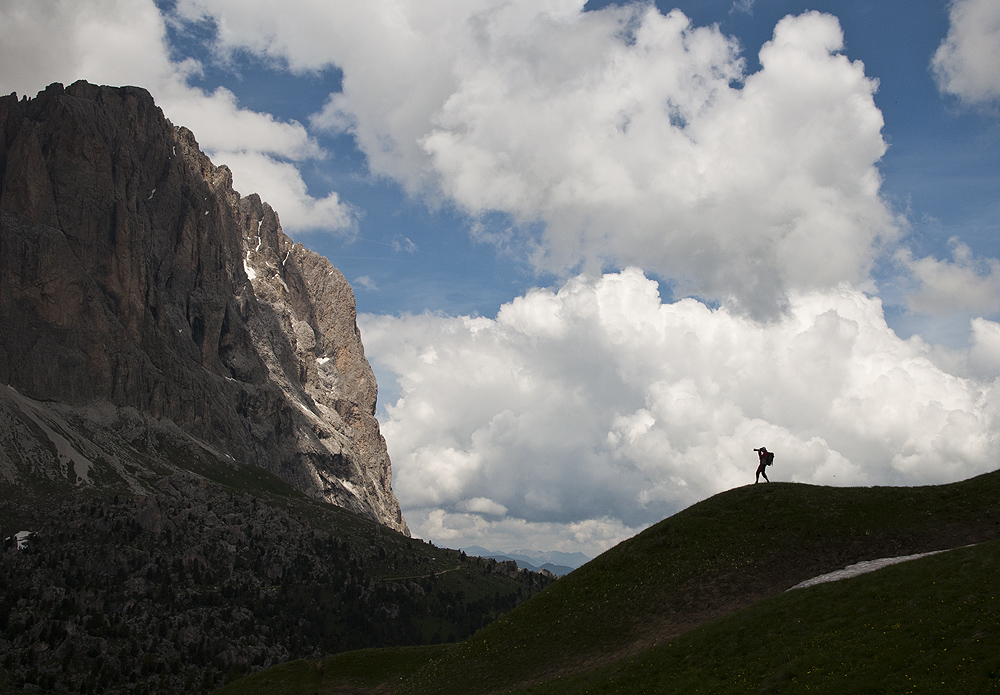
point(133, 275)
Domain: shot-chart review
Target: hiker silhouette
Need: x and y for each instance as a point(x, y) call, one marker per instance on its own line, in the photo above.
point(766, 459)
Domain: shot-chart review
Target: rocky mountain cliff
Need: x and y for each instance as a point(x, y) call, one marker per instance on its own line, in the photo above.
point(149, 310)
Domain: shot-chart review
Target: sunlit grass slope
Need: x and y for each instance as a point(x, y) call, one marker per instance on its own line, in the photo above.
point(705, 562)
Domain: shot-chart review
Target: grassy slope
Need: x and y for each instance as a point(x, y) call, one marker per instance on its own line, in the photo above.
point(704, 563)
point(929, 625)
point(363, 671)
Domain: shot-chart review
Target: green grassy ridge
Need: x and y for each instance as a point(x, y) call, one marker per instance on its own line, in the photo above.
point(924, 626)
point(705, 562)
point(361, 671)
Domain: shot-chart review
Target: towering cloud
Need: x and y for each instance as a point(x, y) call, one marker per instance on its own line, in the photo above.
point(656, 150)
point(622, 136)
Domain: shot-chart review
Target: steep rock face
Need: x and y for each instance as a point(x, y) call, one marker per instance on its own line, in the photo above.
point(124, 264)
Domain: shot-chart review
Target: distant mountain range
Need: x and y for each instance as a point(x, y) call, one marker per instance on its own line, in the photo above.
point(556, 562)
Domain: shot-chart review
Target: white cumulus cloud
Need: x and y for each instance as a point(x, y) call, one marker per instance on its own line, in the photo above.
point(599, 404)
point(965, 283)
point(620, 136)
point(984, 350)
point(967, 63)
point(644, 150)
point(120, 42)
point(281, 185)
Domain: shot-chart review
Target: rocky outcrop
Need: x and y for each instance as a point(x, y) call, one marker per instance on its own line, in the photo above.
point(132, 274)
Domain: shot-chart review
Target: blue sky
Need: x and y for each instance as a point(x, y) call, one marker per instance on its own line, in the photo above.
point(602, 251)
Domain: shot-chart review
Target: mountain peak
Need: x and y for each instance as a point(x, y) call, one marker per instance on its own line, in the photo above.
point(135, 277)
